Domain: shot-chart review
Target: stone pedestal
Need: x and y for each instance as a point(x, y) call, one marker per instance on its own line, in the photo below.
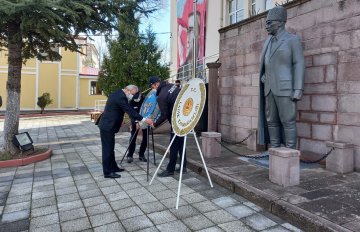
point(340, 160)
point(210, 147)
point(284, 166)
point(213, 96)
point(251, 142)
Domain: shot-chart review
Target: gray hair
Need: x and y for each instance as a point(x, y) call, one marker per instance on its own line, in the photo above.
point(131, 87)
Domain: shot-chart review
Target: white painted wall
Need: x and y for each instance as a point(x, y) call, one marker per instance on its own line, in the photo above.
point(214, 21)
point(173, 39)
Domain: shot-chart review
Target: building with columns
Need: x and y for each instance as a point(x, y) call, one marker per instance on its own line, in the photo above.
point(71, 84)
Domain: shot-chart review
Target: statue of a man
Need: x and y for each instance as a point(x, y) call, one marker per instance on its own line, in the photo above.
point(281, 82)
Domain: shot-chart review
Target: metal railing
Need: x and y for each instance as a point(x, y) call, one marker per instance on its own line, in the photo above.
point(99, 105)
point(184, 73)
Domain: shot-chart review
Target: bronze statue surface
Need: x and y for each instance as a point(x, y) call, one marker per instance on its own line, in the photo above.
point(281, 82)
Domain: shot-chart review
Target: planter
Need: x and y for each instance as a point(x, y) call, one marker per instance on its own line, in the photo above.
point(27, 160)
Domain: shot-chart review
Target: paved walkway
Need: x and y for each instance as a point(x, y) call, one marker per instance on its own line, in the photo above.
point(322, 201)
point(69, 193)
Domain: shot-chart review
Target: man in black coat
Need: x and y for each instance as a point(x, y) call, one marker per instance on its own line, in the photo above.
point(111, 119)
point(136, 103)
point(166, 97)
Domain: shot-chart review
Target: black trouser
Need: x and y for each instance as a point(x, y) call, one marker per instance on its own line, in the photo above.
point(108, 154)
point(175, 149)
point(133, 142)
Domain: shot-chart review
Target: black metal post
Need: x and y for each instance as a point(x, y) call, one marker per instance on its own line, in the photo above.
point(148, 153)
point(153, 144)
point(132, 138)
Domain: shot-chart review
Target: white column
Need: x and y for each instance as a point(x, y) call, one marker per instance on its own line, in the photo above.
point(59, 87)
point(37, 84)
point(77, 80)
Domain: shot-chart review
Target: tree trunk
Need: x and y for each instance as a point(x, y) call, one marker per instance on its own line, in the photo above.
point(13, 86)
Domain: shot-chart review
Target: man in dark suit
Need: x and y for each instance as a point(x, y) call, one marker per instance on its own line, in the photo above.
point(166, 97)
point(281, 82)
point(110, 123)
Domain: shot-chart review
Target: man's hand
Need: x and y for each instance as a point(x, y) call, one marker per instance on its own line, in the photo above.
point(149, 121)
point(297, 95)
point(137, 126)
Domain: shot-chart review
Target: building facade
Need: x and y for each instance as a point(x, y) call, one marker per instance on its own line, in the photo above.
point(71, 85)
point(330, 108)
point(212, 15)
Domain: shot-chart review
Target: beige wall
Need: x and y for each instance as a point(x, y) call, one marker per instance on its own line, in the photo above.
point(87, 100)
point(60, 79)
point(3, 78)
point(69, 59)
point(49, 81)
point(27, 97)
point(68, 92)
point(3, 58)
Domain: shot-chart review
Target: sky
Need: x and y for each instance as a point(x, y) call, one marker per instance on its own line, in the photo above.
point(160, 23)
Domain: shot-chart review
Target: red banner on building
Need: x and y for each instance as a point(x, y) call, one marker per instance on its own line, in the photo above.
point(185, 20)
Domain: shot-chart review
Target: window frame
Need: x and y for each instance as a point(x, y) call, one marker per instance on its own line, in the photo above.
point(268, 4)
point(253, 7)
point(236, 11)
point(97, 91)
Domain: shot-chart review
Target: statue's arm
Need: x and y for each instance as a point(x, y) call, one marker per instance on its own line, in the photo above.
point(298, 62)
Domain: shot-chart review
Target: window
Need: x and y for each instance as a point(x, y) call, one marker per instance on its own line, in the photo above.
point(268, 4)
point(253, 7)
point(236, 11)
point(94, 88)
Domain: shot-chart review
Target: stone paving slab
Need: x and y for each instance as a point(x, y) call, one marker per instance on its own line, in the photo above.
point(68, 192)
point(322, 201)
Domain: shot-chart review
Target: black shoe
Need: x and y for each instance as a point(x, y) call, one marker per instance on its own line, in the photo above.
point(119, 169)
point(130, 159)
point(178, 170)
point(143, 159)
point(112, 175)
point(165, 173)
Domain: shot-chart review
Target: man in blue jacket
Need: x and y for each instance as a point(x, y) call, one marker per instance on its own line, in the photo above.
point(110, 122)
point(136, 103)
point(166, 97)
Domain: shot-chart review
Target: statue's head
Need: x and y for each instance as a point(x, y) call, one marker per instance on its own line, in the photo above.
point(276, 19)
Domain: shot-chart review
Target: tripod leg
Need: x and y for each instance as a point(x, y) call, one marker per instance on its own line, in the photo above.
point(162, 160)
point(132, 138)
point(202, 158)
point(148, 153)
point(153, 144)
point(181, 173)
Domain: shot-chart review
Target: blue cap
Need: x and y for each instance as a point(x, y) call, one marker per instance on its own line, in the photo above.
point(153, 80)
